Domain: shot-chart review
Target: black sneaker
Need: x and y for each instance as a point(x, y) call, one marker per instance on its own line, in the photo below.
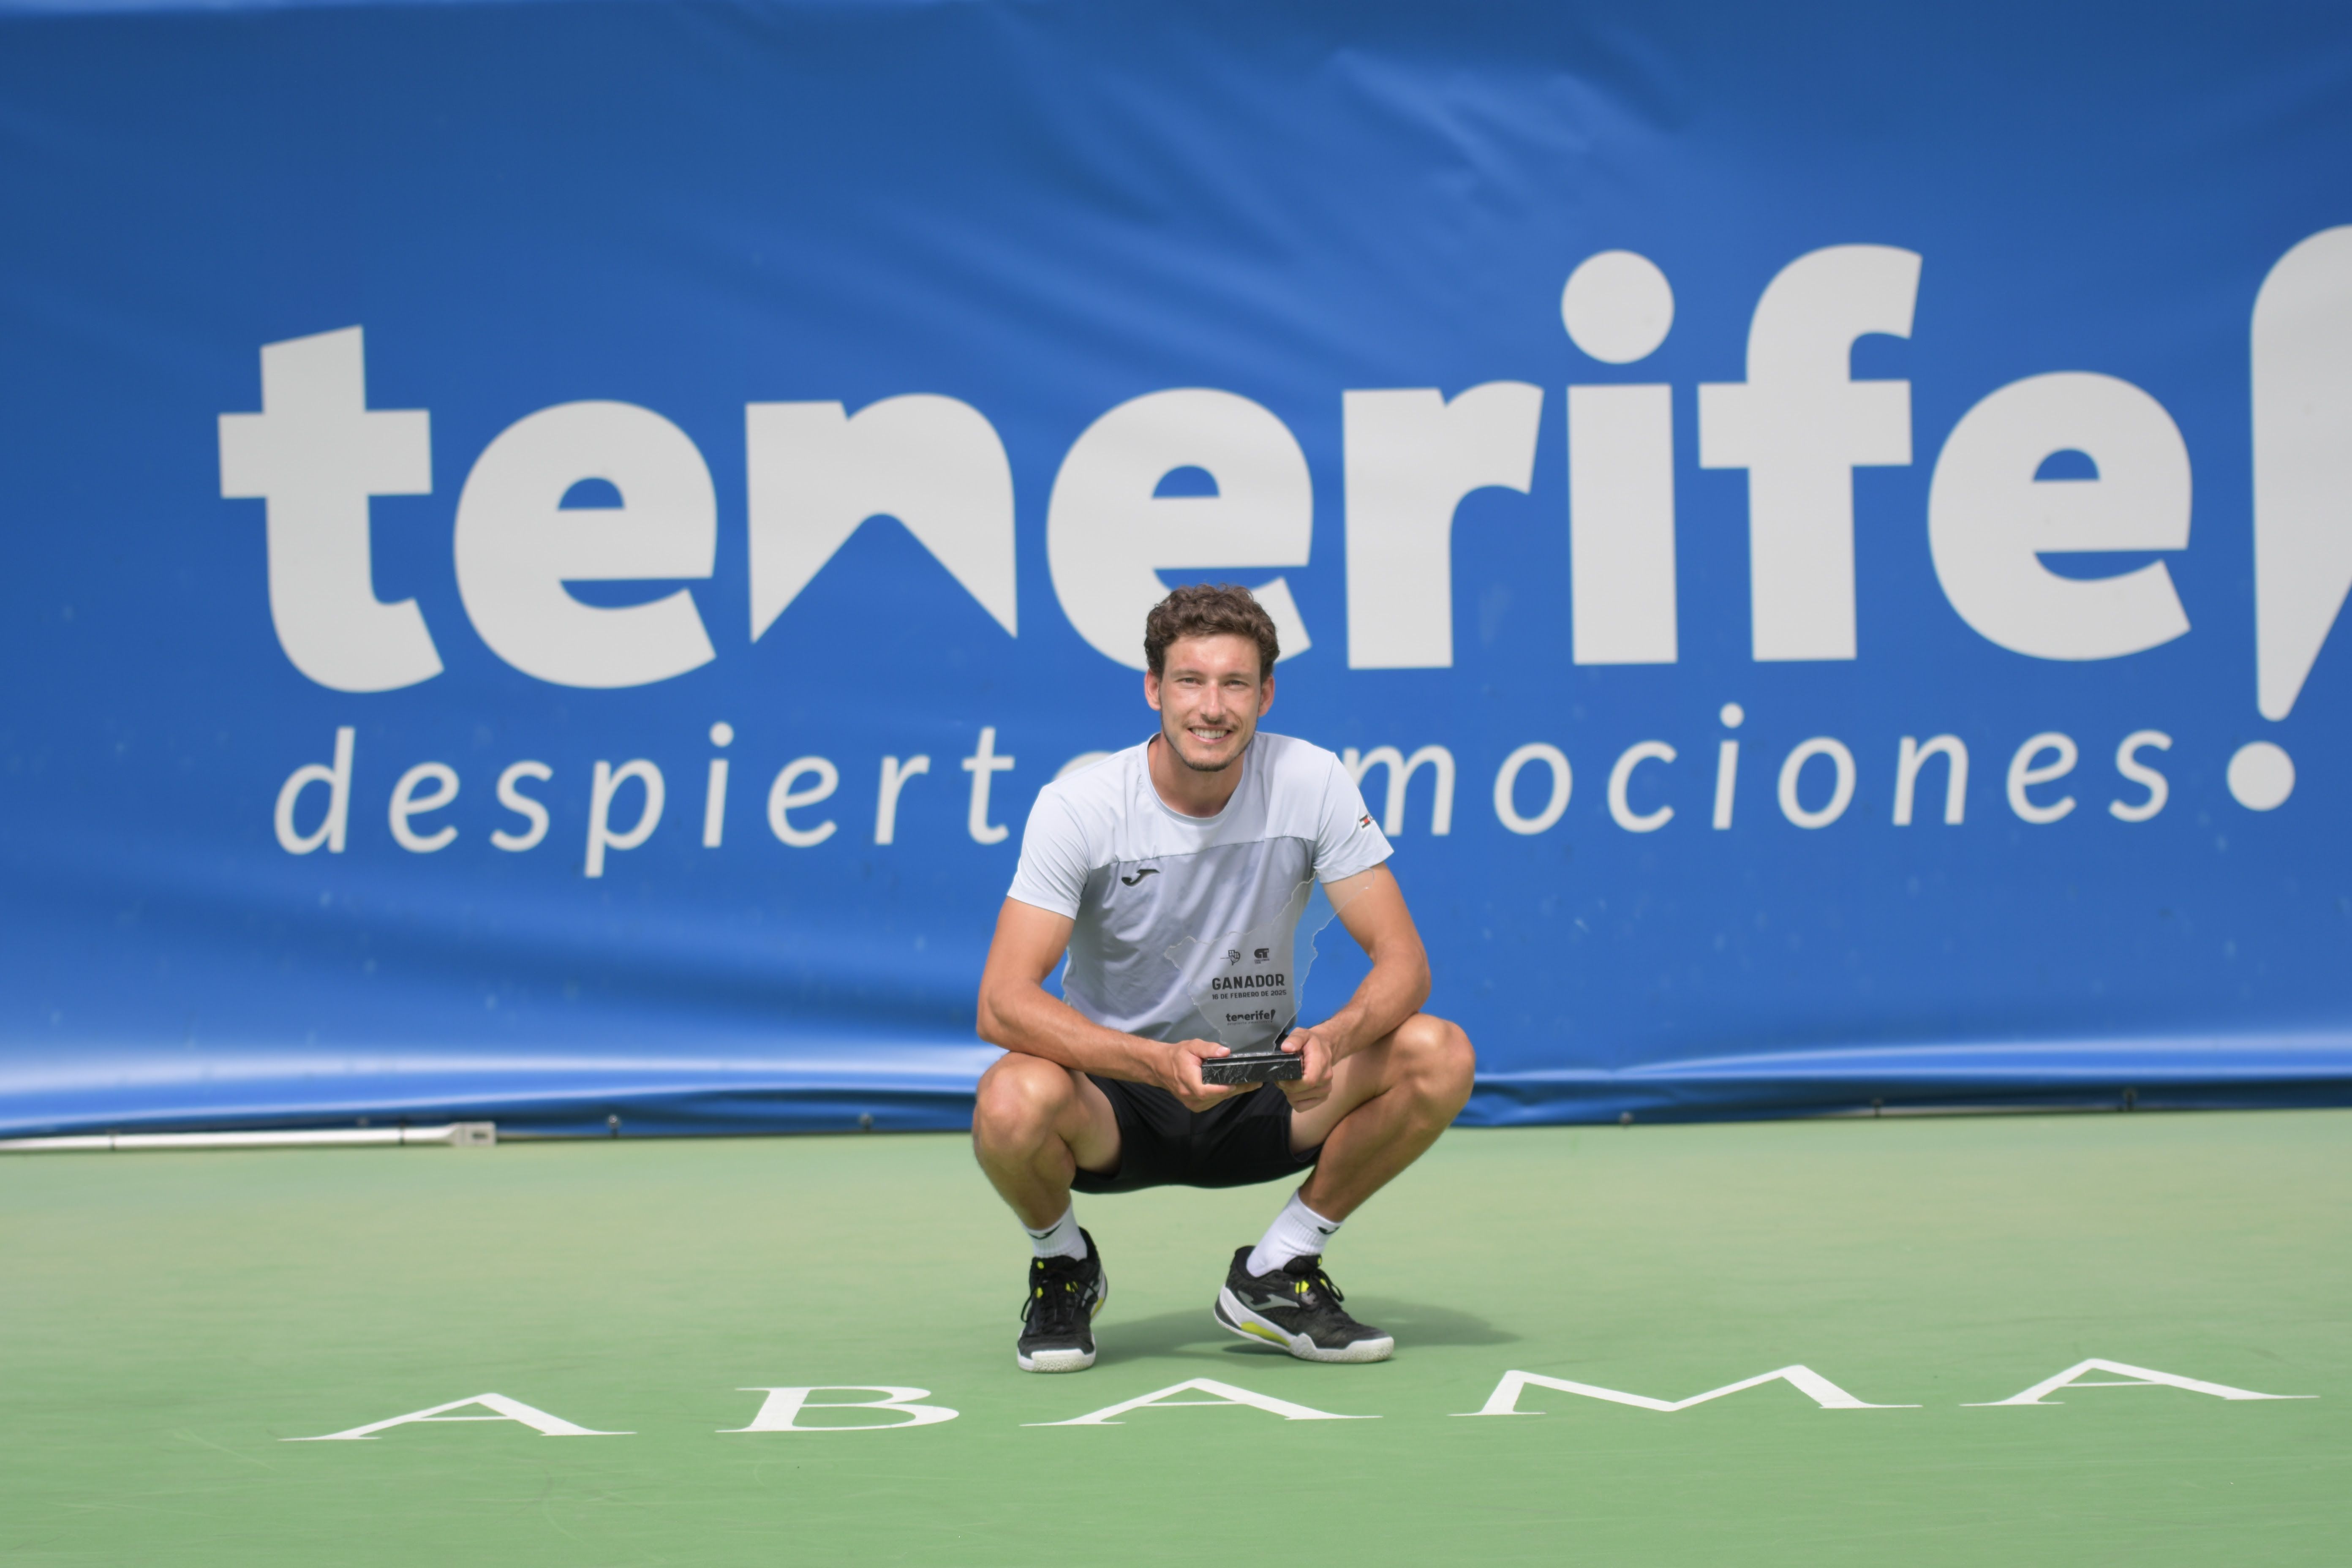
point(1297, 1308)
point(1065, 1294)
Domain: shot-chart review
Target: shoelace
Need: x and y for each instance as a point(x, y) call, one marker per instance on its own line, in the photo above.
point(1055, 1303)
point(1313, 1278)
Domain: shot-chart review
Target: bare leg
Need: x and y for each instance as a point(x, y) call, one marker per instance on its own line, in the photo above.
point(1034, 1126)
point(1387, 1104)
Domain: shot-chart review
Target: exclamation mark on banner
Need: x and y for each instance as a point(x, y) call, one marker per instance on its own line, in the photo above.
point(2303, 487)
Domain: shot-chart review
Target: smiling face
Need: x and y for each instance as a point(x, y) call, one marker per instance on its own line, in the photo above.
point(1209, 696)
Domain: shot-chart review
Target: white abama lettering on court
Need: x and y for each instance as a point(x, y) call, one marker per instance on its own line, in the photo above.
point(1798, 425)
point(897, 1410)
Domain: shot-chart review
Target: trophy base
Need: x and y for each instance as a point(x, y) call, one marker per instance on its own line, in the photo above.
point(1270, 1067)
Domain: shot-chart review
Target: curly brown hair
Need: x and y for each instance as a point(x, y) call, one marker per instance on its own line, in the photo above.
point(1207, 610)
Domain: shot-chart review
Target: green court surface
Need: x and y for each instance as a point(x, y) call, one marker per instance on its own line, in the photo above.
point(167, 1319)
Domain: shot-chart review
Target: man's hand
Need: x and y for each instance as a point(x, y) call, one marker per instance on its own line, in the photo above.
point(1314, 1086)
point(1180, 1075)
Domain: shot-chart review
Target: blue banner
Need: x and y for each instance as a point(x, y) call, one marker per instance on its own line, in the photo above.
point(549, 548)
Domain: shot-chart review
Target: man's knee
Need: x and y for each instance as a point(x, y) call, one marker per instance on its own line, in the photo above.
point(1021, 1098)
point(1436, 1061)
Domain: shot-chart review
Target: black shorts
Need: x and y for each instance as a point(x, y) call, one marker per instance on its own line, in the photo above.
point(1237, 1142)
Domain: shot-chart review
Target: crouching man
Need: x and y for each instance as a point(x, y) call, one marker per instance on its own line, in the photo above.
point(1197, 830)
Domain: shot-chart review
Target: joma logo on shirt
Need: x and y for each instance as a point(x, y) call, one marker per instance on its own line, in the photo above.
point(1146, 871)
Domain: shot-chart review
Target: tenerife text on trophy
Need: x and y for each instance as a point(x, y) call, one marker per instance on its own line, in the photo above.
point(1247, 984)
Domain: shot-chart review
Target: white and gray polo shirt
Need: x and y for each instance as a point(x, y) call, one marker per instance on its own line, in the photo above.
point(1141, 880)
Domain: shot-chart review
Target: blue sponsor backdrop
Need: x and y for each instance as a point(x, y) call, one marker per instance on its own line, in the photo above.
point(1044, 211)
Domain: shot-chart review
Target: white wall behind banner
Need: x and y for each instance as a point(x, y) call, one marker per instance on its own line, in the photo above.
point(547, 595)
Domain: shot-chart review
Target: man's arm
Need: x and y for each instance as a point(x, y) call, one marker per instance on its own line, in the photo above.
point(1372, 906)
point(1017, 1013)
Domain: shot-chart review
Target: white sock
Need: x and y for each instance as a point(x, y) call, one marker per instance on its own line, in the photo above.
point(1297, 1232)
point(1061, 1239)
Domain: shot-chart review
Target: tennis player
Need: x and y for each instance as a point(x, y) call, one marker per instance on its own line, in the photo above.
point(1202, 829)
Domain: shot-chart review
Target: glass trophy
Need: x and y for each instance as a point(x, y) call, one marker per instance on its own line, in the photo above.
point(1247, 984)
